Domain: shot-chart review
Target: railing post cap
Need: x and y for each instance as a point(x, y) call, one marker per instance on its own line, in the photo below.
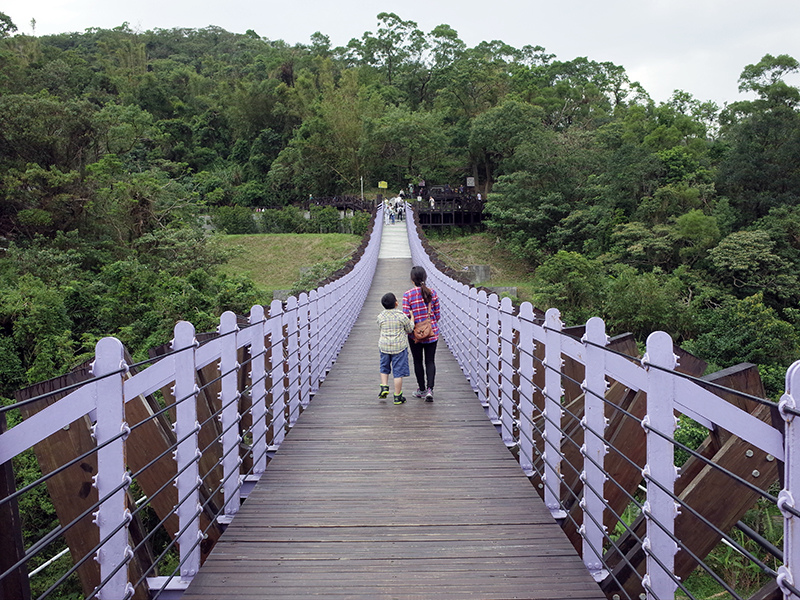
point(109, 356)
point(183, 333)
point(659, 349)
point(596, 329)
point(553, 318)
point(526, 311)
point(256, 313)
point(227, 321)
point(793, 378)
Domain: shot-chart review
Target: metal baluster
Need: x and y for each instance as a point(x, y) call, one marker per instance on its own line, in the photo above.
point(787, 502)
point(506, 388)
point(594, 420)
point(493, 311)
point(527, 346)
point(660, 467)
point(259, 388)
point(110, 412)
point(293, 361)
point(553, 413)
point(276, 372)
point(230, 418)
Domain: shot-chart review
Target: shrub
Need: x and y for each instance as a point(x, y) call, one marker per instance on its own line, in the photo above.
point(234, 220)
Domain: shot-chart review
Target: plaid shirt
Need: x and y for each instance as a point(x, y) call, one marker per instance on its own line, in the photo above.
point(414, 304)
point(395, 327)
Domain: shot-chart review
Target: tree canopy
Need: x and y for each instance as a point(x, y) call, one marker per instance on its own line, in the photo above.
point(113, 142)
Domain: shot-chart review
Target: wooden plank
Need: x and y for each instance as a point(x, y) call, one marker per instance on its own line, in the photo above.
point(365, 499)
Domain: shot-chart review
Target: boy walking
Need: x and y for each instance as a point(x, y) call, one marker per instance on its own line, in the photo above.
point(393, 346)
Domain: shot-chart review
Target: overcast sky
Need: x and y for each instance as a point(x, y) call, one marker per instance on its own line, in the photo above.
point(699, 46)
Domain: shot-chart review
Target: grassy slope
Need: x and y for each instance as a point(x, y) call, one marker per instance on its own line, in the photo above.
point(482, 249)
point(274, 261)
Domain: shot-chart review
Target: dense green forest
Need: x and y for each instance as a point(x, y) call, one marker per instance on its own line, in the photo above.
point(681, 216)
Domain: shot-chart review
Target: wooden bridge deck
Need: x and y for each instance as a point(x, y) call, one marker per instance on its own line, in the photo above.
point(370, 500)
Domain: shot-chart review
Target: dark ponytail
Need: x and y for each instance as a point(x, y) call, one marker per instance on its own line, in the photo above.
point(418, 276)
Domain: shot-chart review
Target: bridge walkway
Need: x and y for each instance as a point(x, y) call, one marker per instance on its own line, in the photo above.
point(368, 500)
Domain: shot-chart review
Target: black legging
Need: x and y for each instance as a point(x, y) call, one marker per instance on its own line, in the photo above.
point(421, 367)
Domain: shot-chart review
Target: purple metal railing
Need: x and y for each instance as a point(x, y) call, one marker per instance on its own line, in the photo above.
point(300, 342)
point(495, 346)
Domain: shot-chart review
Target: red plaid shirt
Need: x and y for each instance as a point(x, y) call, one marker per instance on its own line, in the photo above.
point(413, 303)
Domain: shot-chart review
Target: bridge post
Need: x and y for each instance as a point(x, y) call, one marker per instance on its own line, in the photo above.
point(292, 346)
point(506, 389)
point(187, 464)
point(229, 399)
point(276, 360)
point(552, 413)
point(112, 511)
point(660, 509)
point(464, 329)
point(474, 327)
point(594, 447)
point(482, 348)
point(258, 375)
point(303, 337)
point(788, 497)
point(527, 346)
point(313, 340)
point(323, 329)
point(493, 354)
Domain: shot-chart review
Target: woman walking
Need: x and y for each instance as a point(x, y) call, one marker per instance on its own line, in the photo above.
point(422, 303)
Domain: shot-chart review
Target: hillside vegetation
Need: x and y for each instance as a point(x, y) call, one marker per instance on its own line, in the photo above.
point(681, 216)
point(279, 261)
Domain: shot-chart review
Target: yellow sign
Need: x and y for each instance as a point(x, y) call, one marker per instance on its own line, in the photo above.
point(383, 185)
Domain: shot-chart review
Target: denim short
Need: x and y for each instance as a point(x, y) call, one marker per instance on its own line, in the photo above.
point(395, 363)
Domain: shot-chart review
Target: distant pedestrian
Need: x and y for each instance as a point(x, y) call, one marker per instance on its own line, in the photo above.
point(394, 328)
point(421, 303)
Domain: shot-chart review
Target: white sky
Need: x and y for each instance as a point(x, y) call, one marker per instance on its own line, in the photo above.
point(699, 46)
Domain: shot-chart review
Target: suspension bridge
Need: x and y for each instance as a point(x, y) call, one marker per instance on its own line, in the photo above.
point(272, 470)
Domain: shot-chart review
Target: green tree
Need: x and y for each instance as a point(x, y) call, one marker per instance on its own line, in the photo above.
point(698, 233)
point(761, 168)
point(745, 330)
point(572, 283)
point(496, 134)
point(645, 302)
point(7, 26)
point(398, 45)
point(409, 143)
point(234, 219)
point(745, 260)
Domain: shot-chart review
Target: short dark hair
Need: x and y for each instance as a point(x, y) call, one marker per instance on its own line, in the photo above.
point(389, 301)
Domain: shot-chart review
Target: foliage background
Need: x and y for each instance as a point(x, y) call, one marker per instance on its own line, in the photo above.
point(118, 147)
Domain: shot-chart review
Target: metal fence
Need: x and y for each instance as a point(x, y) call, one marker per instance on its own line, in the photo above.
point(593, 426)
point(159, 454)
point(166, 449)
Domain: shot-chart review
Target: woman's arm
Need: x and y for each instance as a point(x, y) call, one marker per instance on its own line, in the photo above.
point(407, 307)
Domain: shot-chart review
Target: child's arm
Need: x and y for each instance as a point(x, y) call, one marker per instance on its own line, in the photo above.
point(408, 323)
